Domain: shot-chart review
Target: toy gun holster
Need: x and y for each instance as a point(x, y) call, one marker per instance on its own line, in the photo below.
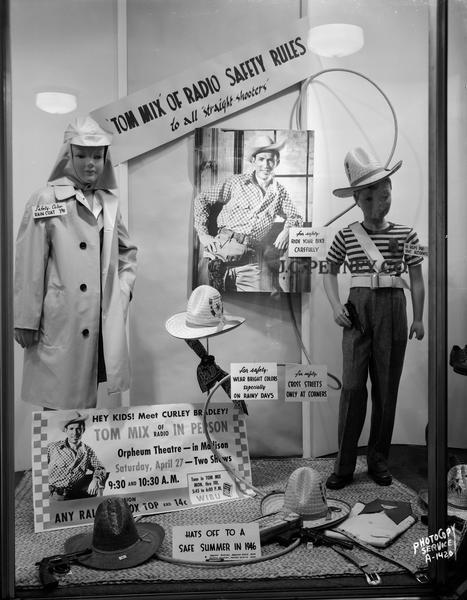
point(354, 318)
point(59, 564)
point(308, 535)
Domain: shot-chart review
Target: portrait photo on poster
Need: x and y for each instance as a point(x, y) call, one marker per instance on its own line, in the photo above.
point(74, 469)
point(250, 188)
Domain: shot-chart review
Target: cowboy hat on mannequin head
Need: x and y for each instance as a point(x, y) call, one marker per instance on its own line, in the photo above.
point(362, 171)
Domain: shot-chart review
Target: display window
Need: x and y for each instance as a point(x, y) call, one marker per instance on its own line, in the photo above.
point(232, 295)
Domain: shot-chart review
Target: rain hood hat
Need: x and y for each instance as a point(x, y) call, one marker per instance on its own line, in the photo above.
point(362, 170)
point(87, 132)
point(117, 542)
point(203, 317)
point(84, 132)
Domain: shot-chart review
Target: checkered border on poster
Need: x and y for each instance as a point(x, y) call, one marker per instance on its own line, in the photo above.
point(40, 471)
point(242, 454)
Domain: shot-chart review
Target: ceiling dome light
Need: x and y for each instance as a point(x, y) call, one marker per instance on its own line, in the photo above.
point(58, 103)
point(335, 40)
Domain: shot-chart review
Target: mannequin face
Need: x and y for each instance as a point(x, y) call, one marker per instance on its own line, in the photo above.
point(375, 200)
point(88, 162)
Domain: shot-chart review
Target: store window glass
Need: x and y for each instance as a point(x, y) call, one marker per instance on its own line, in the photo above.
point(456, 382)
point(221, 384)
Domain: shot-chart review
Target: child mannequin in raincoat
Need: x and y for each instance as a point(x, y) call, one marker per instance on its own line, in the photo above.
point(74, 274)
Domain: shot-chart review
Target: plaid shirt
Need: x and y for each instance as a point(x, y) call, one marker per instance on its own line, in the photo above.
point(247, 209)
point(67, 467)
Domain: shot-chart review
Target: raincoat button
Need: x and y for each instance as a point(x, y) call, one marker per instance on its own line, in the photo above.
point(85, 332)
point(83, 245)
point(83, 287)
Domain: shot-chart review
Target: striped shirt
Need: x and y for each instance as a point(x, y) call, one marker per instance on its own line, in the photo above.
point(390, 242)
point(247, 209)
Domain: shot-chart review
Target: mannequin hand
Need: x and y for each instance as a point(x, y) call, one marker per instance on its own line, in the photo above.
point(417, 329)
point(208, 241)
point(282, 239)
point(93, 487)
point(26, 337)
point(125, 296)
point(341, 316)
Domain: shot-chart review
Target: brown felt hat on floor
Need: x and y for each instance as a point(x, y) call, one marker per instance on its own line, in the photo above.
point(117, 542)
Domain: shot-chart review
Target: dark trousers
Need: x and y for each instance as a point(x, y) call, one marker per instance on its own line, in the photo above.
point(378, 352)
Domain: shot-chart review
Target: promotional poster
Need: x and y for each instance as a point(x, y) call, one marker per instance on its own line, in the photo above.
point(241, 234)
point(157, 457)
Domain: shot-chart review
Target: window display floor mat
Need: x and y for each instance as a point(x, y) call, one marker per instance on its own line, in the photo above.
point(268, 475)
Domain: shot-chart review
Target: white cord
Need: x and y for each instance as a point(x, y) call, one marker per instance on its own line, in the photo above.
point(297, 110)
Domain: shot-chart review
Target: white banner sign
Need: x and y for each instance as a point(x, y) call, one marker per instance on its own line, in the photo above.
point(211, 91)
point(226, 541)
point(157, 457)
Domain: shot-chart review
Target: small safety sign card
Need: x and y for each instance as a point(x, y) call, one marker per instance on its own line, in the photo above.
point(305, 382)
point(254, 381)
point(49, 210)
point(307, 241)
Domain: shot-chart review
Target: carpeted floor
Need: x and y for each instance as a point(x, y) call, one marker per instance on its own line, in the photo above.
point(268, 474)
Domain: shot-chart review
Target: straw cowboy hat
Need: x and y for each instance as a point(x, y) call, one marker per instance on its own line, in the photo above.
point(74, 417)
point(264, 143)
point(305, 495)
point(363, 170)
point(204, 316)
point(117, 542)
point(457, 491)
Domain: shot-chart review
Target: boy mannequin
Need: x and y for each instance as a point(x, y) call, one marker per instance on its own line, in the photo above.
point(377, 345)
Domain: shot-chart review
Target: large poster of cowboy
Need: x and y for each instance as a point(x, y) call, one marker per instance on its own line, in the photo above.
point(159, 458)
point(251, 188)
